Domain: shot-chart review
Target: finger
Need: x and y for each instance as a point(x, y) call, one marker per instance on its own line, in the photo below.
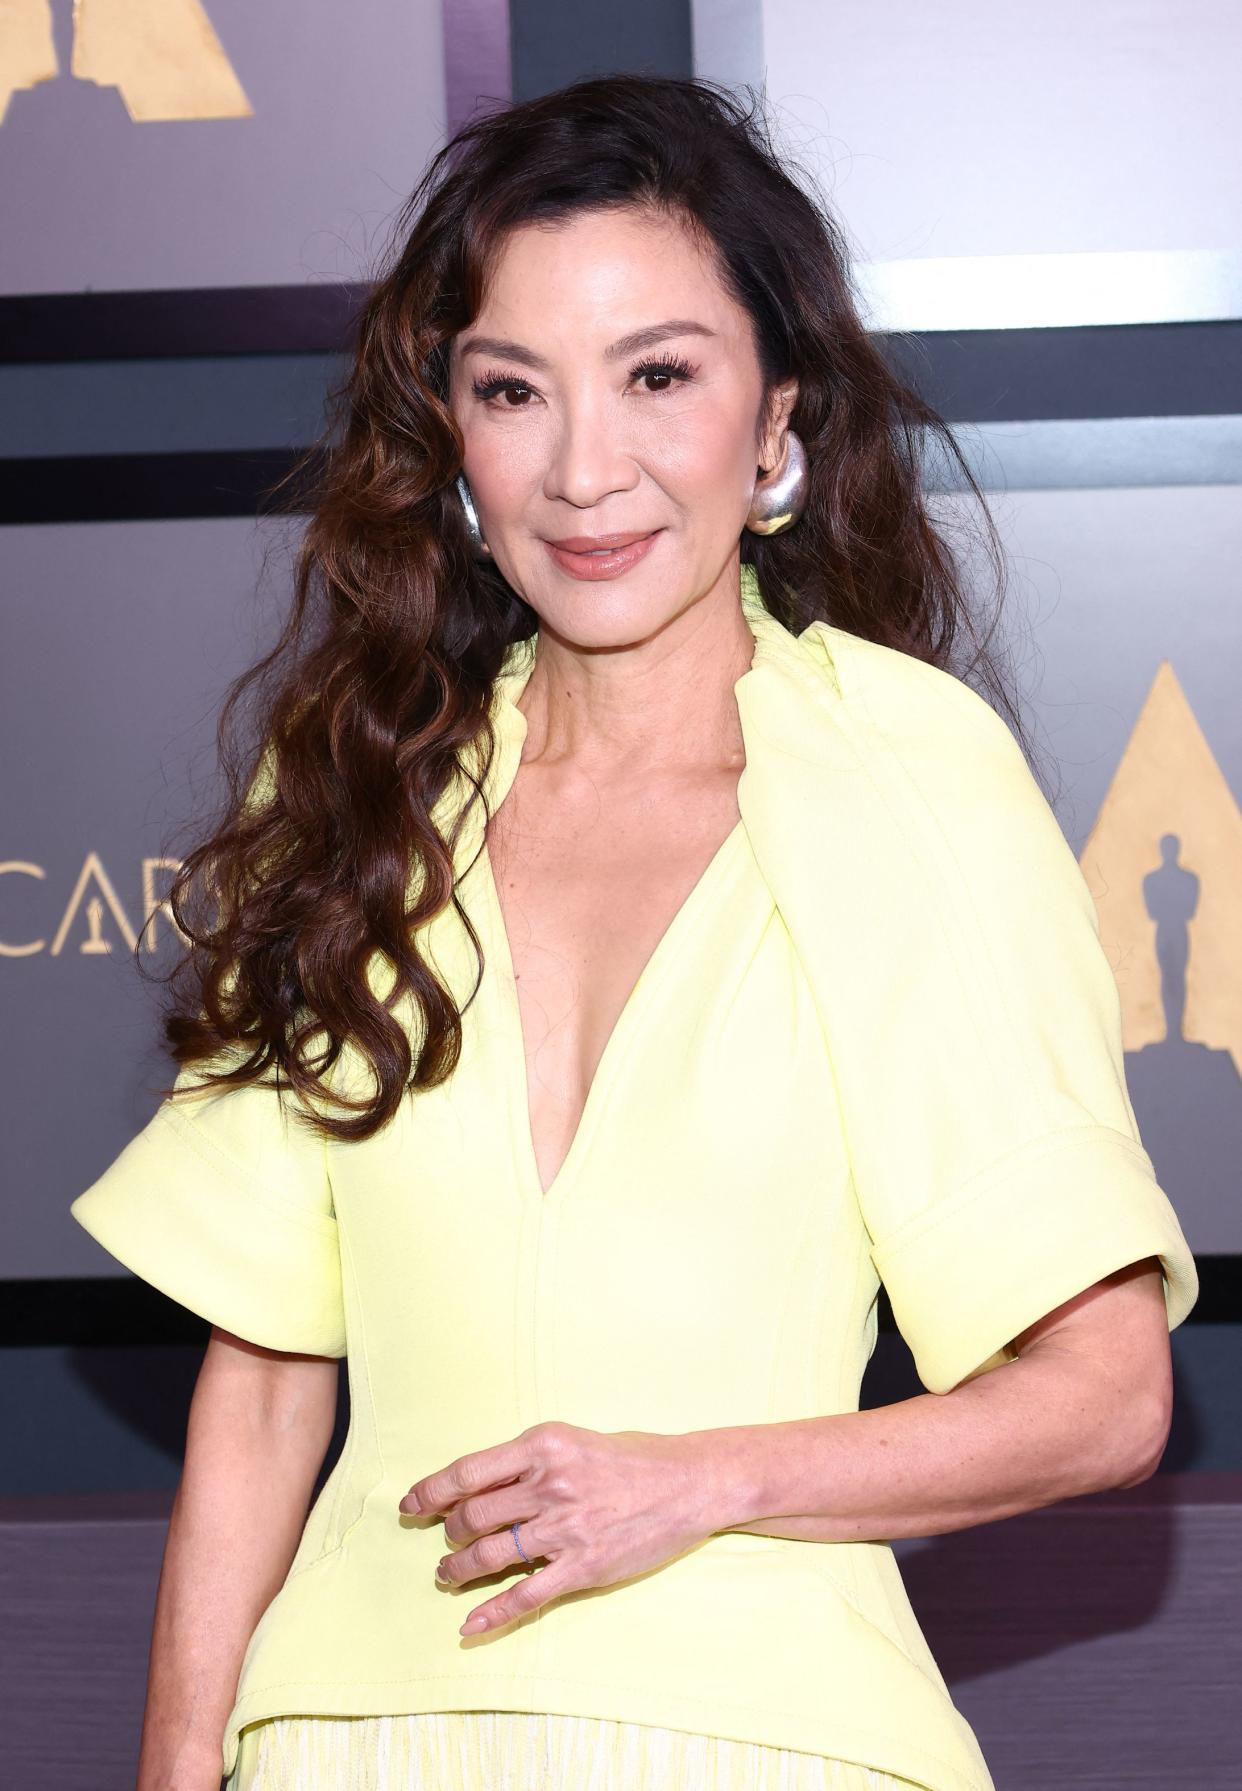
point(490, 1554)
point(480, 1513)
point(516, 1601)
point(468, 1474)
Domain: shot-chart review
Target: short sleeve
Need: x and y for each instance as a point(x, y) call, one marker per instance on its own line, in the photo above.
point(223, 1201)
point(997, 1159)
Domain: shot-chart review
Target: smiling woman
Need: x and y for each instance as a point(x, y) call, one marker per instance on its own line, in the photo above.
point(631, 941)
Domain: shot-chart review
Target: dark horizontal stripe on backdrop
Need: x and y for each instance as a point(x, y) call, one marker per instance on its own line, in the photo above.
point(122, 1310)
point(122, 326)
point(146, 487)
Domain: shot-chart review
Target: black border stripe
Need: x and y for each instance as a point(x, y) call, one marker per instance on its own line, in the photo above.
point(123, 1311)
point(147, 487)
point(212, 320)
point(1114, 370)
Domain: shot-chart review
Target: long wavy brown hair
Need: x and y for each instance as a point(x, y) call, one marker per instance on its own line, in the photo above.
point(326, 861)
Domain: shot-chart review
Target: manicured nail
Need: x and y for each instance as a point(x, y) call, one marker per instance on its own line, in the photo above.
point(473, 1624)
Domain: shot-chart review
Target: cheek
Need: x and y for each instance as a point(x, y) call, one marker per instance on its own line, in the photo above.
point(704, 459)
point(503, 465)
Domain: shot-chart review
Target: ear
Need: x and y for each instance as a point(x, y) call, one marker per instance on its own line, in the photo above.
point(780, 408)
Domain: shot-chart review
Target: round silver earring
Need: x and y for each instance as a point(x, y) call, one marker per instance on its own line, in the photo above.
point(780, 496)
point(478, 546)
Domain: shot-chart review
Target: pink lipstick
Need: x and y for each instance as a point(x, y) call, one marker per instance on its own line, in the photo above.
point(600, 556)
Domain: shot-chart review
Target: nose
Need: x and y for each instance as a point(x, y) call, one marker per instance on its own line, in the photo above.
point(589, 457)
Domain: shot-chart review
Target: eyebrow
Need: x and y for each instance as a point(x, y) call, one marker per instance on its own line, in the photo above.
point(616, 351)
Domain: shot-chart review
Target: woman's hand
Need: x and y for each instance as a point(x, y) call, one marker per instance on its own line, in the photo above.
point(598, 1506)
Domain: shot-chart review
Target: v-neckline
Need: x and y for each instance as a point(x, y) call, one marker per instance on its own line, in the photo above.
point(774, 644)
point(623, 1026)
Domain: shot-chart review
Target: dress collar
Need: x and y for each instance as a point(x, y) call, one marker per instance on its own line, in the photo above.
point(798, 742)
point(797, 739)
point(800, 658)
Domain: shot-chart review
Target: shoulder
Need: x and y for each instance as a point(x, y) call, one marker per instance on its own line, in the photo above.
point(946, 770)
point(918, 722)
point(909, 702)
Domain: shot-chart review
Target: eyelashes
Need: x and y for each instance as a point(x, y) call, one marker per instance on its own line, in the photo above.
point(674, 367)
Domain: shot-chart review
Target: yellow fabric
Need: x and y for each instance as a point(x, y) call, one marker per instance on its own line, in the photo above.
point(881, 1038)
point(505, 1750)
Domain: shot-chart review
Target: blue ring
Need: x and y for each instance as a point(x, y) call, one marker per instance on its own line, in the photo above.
point(521, 1551)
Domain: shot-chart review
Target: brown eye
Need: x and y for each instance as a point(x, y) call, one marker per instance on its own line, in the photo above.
point(674, 369)
point(493, 384)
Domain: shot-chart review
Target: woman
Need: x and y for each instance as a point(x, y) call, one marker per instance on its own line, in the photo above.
point(661, 944)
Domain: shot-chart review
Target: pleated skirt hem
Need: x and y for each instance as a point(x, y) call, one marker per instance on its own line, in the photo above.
point(507, 1750)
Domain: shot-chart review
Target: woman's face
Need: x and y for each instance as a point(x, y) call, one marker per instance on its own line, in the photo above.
point(575, 429)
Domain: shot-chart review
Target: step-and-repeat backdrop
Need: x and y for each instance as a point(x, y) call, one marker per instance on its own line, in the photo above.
point(1021, 185)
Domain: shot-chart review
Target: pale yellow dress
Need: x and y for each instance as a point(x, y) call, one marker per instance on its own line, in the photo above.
point(879, 1041)
point(508, 1750)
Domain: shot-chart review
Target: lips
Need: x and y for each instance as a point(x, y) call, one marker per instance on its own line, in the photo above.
point(597, 557)
point(596, 543)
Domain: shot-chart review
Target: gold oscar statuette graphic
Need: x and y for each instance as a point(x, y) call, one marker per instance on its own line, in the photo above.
point(93, 871)
point(1164, 865)
point(27, 48)
point(162, 56)
point(95, 941)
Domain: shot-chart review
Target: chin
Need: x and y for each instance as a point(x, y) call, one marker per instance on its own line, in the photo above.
point(605, 616)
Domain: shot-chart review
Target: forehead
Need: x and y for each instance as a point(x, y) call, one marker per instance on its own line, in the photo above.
point(597, 277)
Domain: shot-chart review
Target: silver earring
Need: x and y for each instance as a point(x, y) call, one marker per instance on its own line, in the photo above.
point(478, 546)
point(780, 496)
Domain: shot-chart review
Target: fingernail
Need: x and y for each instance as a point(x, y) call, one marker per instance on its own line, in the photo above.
point(440, 1573)
point(472, 1624)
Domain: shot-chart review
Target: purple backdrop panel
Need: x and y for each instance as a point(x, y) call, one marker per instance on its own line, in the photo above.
point(269, 146)
point(120, 641)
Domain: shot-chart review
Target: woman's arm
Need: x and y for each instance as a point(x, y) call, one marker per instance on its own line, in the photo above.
point(1087, 1405)
point(259, 1427)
